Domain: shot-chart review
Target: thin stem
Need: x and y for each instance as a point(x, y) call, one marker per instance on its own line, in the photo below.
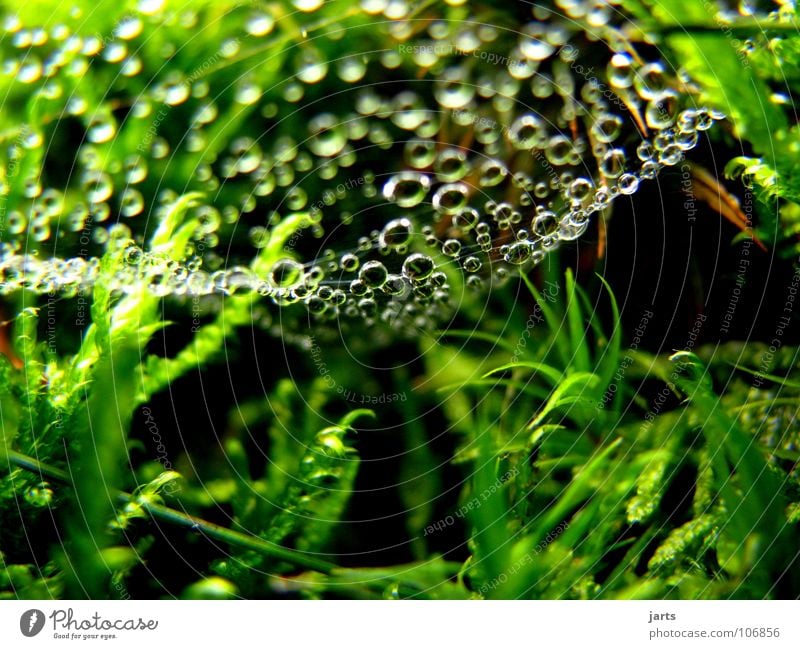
point(34, 466)
point(161, 512)
point(742, 28)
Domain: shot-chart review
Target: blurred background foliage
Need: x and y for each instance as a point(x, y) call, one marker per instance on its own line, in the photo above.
point(588, 431)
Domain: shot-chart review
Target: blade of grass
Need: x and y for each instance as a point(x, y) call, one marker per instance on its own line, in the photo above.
point(577, 331)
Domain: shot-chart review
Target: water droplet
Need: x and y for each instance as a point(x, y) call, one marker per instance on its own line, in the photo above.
point(607, 128)
point(466, 219)
point(100, 129)
point(40, 495)
point(533, 42)
point(527, 132)
point(259, 24)
point(472, 264)
point(307, 5)
point(613, 163)
point(373, 274)
point(450, 198)
point(311, 67)
point(286, 274)
point(452, 90)
point(131, 203)
point(628, 184)
point(518, 253)
point(407, 188)
point(418, 267)
point(328, 137)
point(396, 233)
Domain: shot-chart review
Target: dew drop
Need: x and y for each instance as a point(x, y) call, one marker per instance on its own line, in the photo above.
point(286, 274)
point(396, 233)
point(259, 24)
point(418, 267)
point(407, 188)
point(450, 198)
point(373, 274)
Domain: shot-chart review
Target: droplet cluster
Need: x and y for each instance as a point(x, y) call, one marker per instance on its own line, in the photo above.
point(425, 153)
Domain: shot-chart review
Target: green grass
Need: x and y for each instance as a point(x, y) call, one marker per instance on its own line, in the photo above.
point(540, 451)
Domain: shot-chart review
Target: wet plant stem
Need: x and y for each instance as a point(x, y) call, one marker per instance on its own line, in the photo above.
point(167, 514)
